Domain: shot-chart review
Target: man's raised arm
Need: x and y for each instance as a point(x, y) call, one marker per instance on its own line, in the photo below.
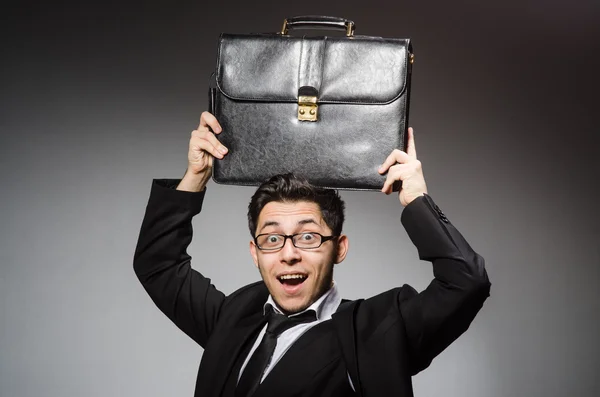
point(161, 261)
point(437, 316)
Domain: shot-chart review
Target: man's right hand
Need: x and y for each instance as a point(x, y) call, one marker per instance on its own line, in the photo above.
point(204, 147)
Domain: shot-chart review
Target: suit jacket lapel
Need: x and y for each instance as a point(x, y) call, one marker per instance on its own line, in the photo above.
point(301, 362)
point(229, 348)
point(243, 319)
point(346, 330)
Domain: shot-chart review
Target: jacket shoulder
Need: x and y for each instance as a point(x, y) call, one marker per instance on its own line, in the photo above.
point(245, 301)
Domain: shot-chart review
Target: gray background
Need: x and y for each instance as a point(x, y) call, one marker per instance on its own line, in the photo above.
point(99, 98)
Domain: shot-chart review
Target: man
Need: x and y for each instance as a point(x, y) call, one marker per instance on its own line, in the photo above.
point(291, 333)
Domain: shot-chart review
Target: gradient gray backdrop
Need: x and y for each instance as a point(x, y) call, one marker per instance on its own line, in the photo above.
point(99, 98)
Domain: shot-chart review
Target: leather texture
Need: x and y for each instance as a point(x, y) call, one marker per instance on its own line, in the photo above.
point(363, 86)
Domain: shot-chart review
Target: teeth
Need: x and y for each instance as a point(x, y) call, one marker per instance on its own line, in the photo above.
point(291, 276)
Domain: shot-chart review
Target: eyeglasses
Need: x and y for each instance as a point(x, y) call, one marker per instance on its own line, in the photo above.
point(307, 240)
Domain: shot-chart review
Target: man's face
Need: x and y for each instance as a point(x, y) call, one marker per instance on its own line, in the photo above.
point(296, 277)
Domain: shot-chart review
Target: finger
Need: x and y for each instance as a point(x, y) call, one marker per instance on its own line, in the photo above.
point(387, 186)
point(199, 145)
point(208, 120)
point(397, 156)
point(411, 150)
point(396, 173)
point(210, 137)
point(206, 141)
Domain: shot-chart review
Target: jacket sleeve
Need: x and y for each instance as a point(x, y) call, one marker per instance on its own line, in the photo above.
point(163, 266)
point(438, 315)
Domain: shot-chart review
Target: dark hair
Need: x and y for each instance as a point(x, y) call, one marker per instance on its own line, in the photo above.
point(291, 188)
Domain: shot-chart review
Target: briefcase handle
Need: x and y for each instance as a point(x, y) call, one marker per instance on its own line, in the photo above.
point(318, 22)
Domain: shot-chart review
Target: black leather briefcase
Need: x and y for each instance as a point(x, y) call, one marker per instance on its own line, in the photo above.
point(329, 108)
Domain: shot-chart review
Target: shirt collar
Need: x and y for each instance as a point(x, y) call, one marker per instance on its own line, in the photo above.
point(325, 306)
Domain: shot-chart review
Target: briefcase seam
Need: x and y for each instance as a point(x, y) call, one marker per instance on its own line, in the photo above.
point(330, 102)
point(323, 64)
point(300, 63)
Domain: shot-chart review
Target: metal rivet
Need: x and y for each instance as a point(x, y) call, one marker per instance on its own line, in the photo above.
point(312, 112)
point(302, 111)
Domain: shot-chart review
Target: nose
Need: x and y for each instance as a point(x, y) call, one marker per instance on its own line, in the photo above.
point(289, 253)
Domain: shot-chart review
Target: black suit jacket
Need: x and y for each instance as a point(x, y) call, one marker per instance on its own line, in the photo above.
point(384, 339)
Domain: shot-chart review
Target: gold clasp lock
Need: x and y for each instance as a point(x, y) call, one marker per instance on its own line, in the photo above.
point(307, 108)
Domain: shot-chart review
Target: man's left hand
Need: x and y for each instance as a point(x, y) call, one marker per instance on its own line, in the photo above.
point(404, 166)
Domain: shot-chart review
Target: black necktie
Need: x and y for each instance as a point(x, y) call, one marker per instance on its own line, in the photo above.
point(277, 324)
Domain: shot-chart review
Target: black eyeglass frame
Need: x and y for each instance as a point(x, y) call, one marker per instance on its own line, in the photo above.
point(324, 239)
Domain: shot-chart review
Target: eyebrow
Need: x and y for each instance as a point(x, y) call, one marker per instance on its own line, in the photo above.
point(302, 222)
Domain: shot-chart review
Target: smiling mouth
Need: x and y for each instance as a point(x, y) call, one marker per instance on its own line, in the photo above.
point(292, 279)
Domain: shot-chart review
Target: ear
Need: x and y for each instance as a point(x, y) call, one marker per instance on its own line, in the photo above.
point(342, 248)
point(254, 253)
